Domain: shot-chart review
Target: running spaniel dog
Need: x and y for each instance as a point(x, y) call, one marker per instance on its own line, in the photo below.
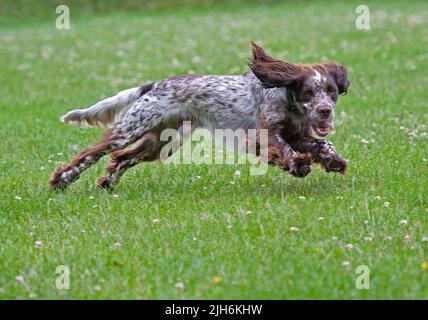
point(295, 102)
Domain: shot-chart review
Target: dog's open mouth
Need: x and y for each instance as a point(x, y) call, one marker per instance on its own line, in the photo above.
point(323, 129)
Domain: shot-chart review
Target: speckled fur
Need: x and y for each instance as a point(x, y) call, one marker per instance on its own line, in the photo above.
point(254, 100)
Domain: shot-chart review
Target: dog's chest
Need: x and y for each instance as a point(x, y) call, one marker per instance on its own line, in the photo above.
point(292, 130)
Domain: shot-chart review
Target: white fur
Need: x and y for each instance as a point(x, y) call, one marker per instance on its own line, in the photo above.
point(99, 113)
point(318, 78)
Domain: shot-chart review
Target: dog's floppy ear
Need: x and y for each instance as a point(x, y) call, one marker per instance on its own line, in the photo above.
point(340, 75)
point(273, 72)
point(260, 54)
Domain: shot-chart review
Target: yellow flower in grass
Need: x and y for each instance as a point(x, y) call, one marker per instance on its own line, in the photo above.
point(217, 280)
point(424, 265)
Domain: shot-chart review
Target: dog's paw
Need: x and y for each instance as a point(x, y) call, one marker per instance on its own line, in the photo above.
point(335, 165)
point(105, 183)
point(62, 177)
point(58, 185)
point(300, 166)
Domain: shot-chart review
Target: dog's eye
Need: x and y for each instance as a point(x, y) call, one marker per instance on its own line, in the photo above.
point(308, 94)
point(331, 91)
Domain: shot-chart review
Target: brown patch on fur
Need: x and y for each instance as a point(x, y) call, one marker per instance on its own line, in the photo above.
point(149, 143)
point(335, 164)
point(278, 73)
point(145, 149)
point(103, 182)
point(301, 165)
point(280, 153)
point(340, 74)
point(146, 88)
point(273, 72)
point(298, 164)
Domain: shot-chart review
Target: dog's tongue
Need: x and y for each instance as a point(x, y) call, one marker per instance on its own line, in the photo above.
point(324, 129)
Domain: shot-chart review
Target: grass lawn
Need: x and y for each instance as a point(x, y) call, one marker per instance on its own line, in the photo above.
point(174, 228)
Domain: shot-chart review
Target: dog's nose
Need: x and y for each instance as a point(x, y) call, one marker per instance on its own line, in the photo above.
point(324, 111)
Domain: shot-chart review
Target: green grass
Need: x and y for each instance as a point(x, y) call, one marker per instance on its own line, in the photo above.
point(204, 230)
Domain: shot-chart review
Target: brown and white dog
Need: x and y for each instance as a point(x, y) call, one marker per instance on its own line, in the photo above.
point(294, 102)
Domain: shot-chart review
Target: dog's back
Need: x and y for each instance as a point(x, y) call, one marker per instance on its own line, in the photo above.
point(210, 101)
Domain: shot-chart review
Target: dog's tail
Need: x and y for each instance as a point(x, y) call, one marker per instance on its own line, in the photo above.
point(106, 111)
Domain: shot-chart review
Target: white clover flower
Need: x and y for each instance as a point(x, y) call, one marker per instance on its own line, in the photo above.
point(179, 286)
point(365, 142)
point(20, 279)
point(346, 265)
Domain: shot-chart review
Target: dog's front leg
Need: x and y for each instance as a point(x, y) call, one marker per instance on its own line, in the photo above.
point(282, 154)
point(323, 153)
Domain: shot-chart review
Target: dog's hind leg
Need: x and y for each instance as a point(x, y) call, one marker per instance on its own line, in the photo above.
point(141, 118)
point(147, 148)
point(68, 173)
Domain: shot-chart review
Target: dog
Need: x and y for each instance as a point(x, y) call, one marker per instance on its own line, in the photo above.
point(295, 103)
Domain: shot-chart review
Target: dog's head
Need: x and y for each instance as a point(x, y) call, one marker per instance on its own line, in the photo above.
point(312, 88)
